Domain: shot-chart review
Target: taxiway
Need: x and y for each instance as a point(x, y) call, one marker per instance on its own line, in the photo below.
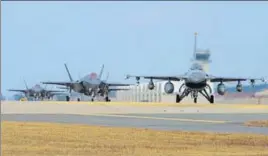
point(186, 118)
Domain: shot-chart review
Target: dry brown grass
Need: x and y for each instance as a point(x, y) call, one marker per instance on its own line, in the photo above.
point(35, 139)
point(258, 123)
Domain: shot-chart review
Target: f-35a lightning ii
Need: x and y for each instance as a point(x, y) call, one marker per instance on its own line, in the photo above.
point(37, 92)
point(195, 81)
point(90, 85)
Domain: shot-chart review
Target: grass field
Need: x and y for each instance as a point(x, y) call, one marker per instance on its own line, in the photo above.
point(35, 139)
point(258, 123)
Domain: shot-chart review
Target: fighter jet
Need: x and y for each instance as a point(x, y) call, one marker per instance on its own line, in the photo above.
point(195, 81)
point(37, 92)
point(90, 85)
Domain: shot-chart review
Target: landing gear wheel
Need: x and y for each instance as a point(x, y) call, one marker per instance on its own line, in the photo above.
point(178, 99)
point(211, 99)
point(107, 99)
point(67, 98)
point(78, 99)
point(92, 99)
point(195, 100)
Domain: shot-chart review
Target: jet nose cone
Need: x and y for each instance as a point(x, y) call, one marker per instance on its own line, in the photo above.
point(194, 79)
point(197, 77)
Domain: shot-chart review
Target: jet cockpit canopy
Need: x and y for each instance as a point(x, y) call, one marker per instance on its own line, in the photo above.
point(196, 66)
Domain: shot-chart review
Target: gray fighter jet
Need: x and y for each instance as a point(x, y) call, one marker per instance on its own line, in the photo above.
point(37, 92)
point(90, 85)
point(195, 81)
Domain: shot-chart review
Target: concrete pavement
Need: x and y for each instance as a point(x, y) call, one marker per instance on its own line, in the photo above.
point(208, 118)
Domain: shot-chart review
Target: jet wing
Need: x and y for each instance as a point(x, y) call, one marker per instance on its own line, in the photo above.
point(118, 84)
point(117, 89)
point(59, 83)
point(63, 87)
point(171, 78)
point(17, 90)
point(55, 91)
point(231, 79)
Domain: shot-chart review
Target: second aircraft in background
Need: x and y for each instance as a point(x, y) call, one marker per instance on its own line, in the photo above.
point(90, 85)
point(37, 92)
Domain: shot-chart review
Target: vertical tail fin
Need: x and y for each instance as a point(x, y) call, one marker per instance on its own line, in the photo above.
point(107, 77)
point(25, 84)
point(101, 71)
point(70, 77)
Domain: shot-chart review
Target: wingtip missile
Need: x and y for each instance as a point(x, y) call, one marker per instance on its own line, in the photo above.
point(264, 80)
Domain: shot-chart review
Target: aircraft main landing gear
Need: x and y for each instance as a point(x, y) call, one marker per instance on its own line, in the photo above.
point(67, 98)
point(178, 99)
point(211, 99)
point(206, 95)
point(194, 94)
point(107, 99)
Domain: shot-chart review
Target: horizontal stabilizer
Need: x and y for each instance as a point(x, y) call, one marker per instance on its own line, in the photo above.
point(18, 90)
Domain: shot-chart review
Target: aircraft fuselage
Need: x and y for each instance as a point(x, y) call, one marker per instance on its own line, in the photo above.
point(87, 87)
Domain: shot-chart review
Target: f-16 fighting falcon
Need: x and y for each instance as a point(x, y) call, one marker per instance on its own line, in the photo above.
point(37, 92)
point(90, 85)
point(195, 81)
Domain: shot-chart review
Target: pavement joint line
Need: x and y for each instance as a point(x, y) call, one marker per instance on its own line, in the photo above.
point(160, 118)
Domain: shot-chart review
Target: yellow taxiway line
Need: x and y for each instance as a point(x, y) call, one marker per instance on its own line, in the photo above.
point(160, 118)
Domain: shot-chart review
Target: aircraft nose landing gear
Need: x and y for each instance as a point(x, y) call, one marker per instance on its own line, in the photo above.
point(195, 95)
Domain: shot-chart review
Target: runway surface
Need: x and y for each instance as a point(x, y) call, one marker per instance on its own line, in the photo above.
point(231, 123)
point(206, 118)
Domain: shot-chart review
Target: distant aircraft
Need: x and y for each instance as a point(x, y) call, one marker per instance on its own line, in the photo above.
point(90, 85)
point(37, 92)
point(195, 81)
